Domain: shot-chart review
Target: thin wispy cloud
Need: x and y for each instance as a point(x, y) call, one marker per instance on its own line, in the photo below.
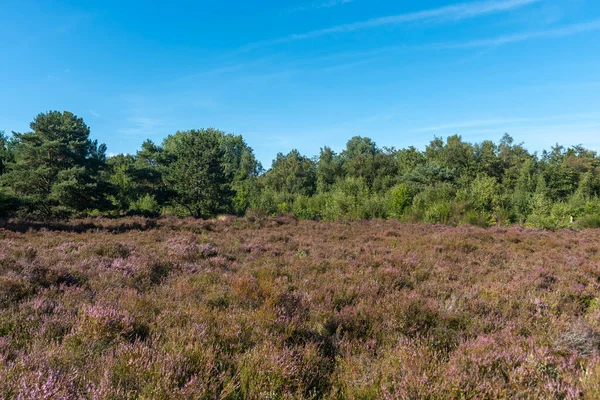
point(351, 59)
point(353, 64)
point(569, 30)
point(448, 13)
point(319, 4)
point(96, 114)
point(332, 3)
point(226, 69)
point(467, 124)
point(478, 123)
point(143, 126)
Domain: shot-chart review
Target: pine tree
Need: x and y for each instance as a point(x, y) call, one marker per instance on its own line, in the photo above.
point(193, 169)
point(57, 169)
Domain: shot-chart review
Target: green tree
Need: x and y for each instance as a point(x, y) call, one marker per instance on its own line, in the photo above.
point(239, 162)
point(586, 187)
point(522, 195)
point(347, 200)
point(147, 169)
point(241, 169)
point(482, 192)
point(6, 153)
point(385, 174)
point(329, 169)
point(121, 175)
point(292, 173)
point(487, 159)
point(512, 158)
point(400, 199)
point(359, 159)
point(408, 159)
point(561, 177)
point(541, 206)
point(456, 155)
point(8, 202)
point(193, 164)
point(147, 174)
point(139, 180)
point(57, 169)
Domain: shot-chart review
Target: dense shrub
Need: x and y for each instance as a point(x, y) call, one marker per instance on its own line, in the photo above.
point(146, 206)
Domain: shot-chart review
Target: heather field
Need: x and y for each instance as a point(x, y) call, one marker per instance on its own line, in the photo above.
point(278, 308)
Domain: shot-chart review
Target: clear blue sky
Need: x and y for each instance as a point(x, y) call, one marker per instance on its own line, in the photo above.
point(307, 73)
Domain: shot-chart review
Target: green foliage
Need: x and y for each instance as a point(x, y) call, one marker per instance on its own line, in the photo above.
point(193, 165)
point(346, 200)
point(409, 159)
point(541, 206)
point(559, 216)
point(121, 175)
point(589, 222)
point(454, 155)
point(329, 169)
point(376, 206)
point(560, 175)
point(482, 193)
point(56, 169)
point(400, 199)
point(241, 169)
point(268, 200)
point(359, 158)
point(310, 207)
point(146, 205)
point(435, 204)
point(9, 204)
point(385, 175)
point(245, 191)
point(522, 194)
point(437, 212)
point(292, 173)
point(6, 152)
point(238, 158)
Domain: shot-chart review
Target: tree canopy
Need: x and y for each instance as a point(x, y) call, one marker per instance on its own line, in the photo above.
point(56, 170)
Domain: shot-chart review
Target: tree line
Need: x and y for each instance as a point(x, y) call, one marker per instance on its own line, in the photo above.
point(57, 171)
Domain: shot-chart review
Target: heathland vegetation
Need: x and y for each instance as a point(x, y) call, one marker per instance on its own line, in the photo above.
point(275, 308)
point(57, 171)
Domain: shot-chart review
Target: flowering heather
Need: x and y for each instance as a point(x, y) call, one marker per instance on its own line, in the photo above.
point(186, 248)
point(282, 309)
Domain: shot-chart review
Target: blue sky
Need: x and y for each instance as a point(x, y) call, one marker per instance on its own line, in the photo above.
point(307, 73)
